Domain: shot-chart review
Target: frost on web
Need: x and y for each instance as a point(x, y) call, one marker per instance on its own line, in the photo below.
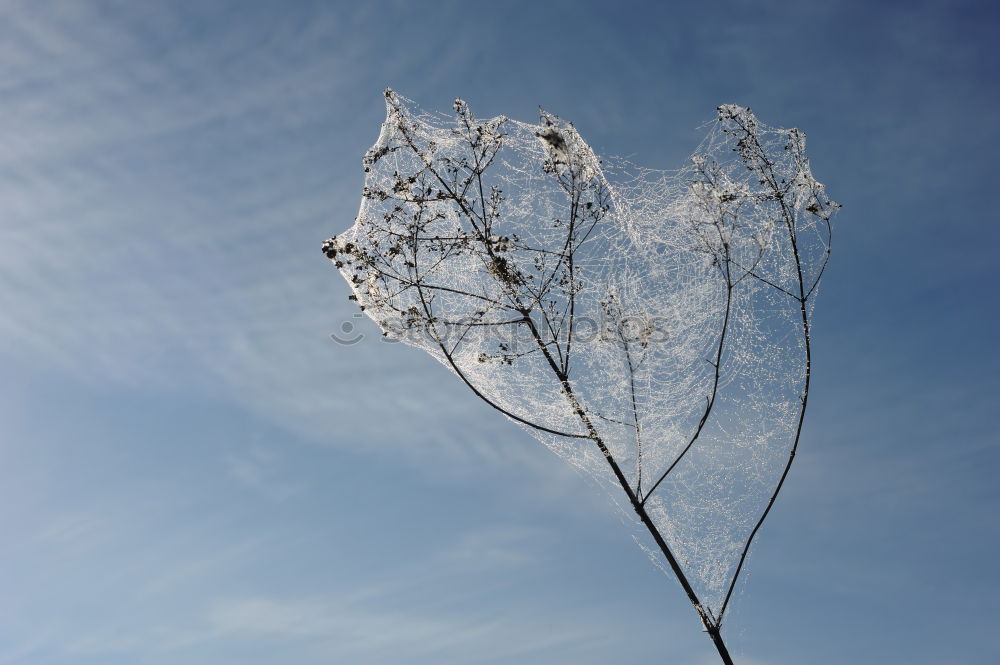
point(648, 326)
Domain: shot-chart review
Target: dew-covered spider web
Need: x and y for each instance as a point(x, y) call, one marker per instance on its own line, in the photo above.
point(650, 327)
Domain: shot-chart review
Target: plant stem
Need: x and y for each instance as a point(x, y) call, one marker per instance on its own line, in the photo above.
point(710, 624)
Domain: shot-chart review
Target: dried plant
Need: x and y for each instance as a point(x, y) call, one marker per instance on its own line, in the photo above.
point(651, 327)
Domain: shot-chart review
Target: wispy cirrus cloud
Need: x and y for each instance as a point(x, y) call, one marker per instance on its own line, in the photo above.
point(164, 215)
point(259, 469)
point(372, 623)
point(325, 630)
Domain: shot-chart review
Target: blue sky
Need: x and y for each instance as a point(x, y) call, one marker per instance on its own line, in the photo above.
point(193, 472)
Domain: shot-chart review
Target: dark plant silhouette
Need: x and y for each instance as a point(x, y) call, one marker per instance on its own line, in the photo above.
point(651, 327)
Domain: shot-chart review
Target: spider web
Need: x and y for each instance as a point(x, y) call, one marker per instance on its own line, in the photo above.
point(656, 319)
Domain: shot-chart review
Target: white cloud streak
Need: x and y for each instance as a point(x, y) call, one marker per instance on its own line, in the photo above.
point(164, 221)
